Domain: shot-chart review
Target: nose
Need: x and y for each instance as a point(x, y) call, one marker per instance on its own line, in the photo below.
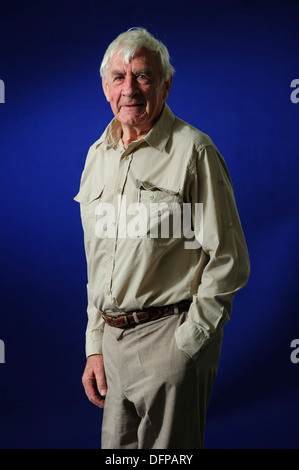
point(130, 86)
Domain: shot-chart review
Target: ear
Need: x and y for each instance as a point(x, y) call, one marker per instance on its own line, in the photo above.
point(167, 87)
point(106, 90)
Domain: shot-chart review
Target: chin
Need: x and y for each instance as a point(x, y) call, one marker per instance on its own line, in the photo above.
point(131, 119)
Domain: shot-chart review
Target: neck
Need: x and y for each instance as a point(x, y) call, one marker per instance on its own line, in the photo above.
point(129, 134)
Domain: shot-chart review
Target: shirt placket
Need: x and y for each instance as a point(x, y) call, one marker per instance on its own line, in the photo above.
point(119, 190)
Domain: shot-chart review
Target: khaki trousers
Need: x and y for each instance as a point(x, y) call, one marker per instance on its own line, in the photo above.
point(157, 395)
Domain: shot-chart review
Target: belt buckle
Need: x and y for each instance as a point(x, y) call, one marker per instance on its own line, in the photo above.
point(111, 319)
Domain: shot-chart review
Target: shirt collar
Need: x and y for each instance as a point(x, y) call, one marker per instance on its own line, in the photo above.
point(157, 137)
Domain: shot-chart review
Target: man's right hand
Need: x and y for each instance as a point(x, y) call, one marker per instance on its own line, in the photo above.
point(94, 380)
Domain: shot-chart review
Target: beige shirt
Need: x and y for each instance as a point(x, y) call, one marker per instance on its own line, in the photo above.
point(161, 225)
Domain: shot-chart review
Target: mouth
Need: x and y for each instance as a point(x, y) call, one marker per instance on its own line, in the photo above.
point(132, 105)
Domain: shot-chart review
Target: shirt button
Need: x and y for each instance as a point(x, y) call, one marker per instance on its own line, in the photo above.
point(108, 292)
point(152, 197)
point(110, 258)
point(119, 190)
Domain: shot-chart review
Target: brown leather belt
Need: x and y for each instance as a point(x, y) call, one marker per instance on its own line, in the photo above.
point(130, 319)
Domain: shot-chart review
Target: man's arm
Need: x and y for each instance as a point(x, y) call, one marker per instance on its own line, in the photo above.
point(224, 247)
point(94, 380)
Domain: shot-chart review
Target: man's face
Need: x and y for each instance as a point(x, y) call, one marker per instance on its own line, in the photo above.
point(135, 91)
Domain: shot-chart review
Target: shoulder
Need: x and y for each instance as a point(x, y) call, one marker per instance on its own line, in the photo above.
point(197, 146)
point(189, 134)
point(98, 143)
point(203, 155)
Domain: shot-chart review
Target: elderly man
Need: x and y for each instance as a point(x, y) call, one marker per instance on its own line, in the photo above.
point(165, 255)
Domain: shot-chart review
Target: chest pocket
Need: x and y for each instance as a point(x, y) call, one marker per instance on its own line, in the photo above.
point(161, 210)
point(89, 200)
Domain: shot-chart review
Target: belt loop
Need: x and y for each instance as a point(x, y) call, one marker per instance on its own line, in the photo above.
point(176, 309)
point(135, 317)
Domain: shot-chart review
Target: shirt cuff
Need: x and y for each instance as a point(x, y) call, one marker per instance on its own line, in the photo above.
point(190, 338)
point(93, 343)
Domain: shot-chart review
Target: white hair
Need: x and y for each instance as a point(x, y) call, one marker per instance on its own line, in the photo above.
point(129, 42)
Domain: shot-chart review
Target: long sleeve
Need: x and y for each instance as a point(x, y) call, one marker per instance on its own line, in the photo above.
point(223, 246)
point(94, 329)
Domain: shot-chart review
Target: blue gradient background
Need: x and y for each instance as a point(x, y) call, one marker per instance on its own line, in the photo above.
point(234, 64)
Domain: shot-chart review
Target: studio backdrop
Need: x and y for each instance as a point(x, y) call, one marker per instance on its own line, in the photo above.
point(237, 80)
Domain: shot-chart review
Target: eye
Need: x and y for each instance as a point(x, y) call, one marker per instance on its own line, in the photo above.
point(143, 78)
